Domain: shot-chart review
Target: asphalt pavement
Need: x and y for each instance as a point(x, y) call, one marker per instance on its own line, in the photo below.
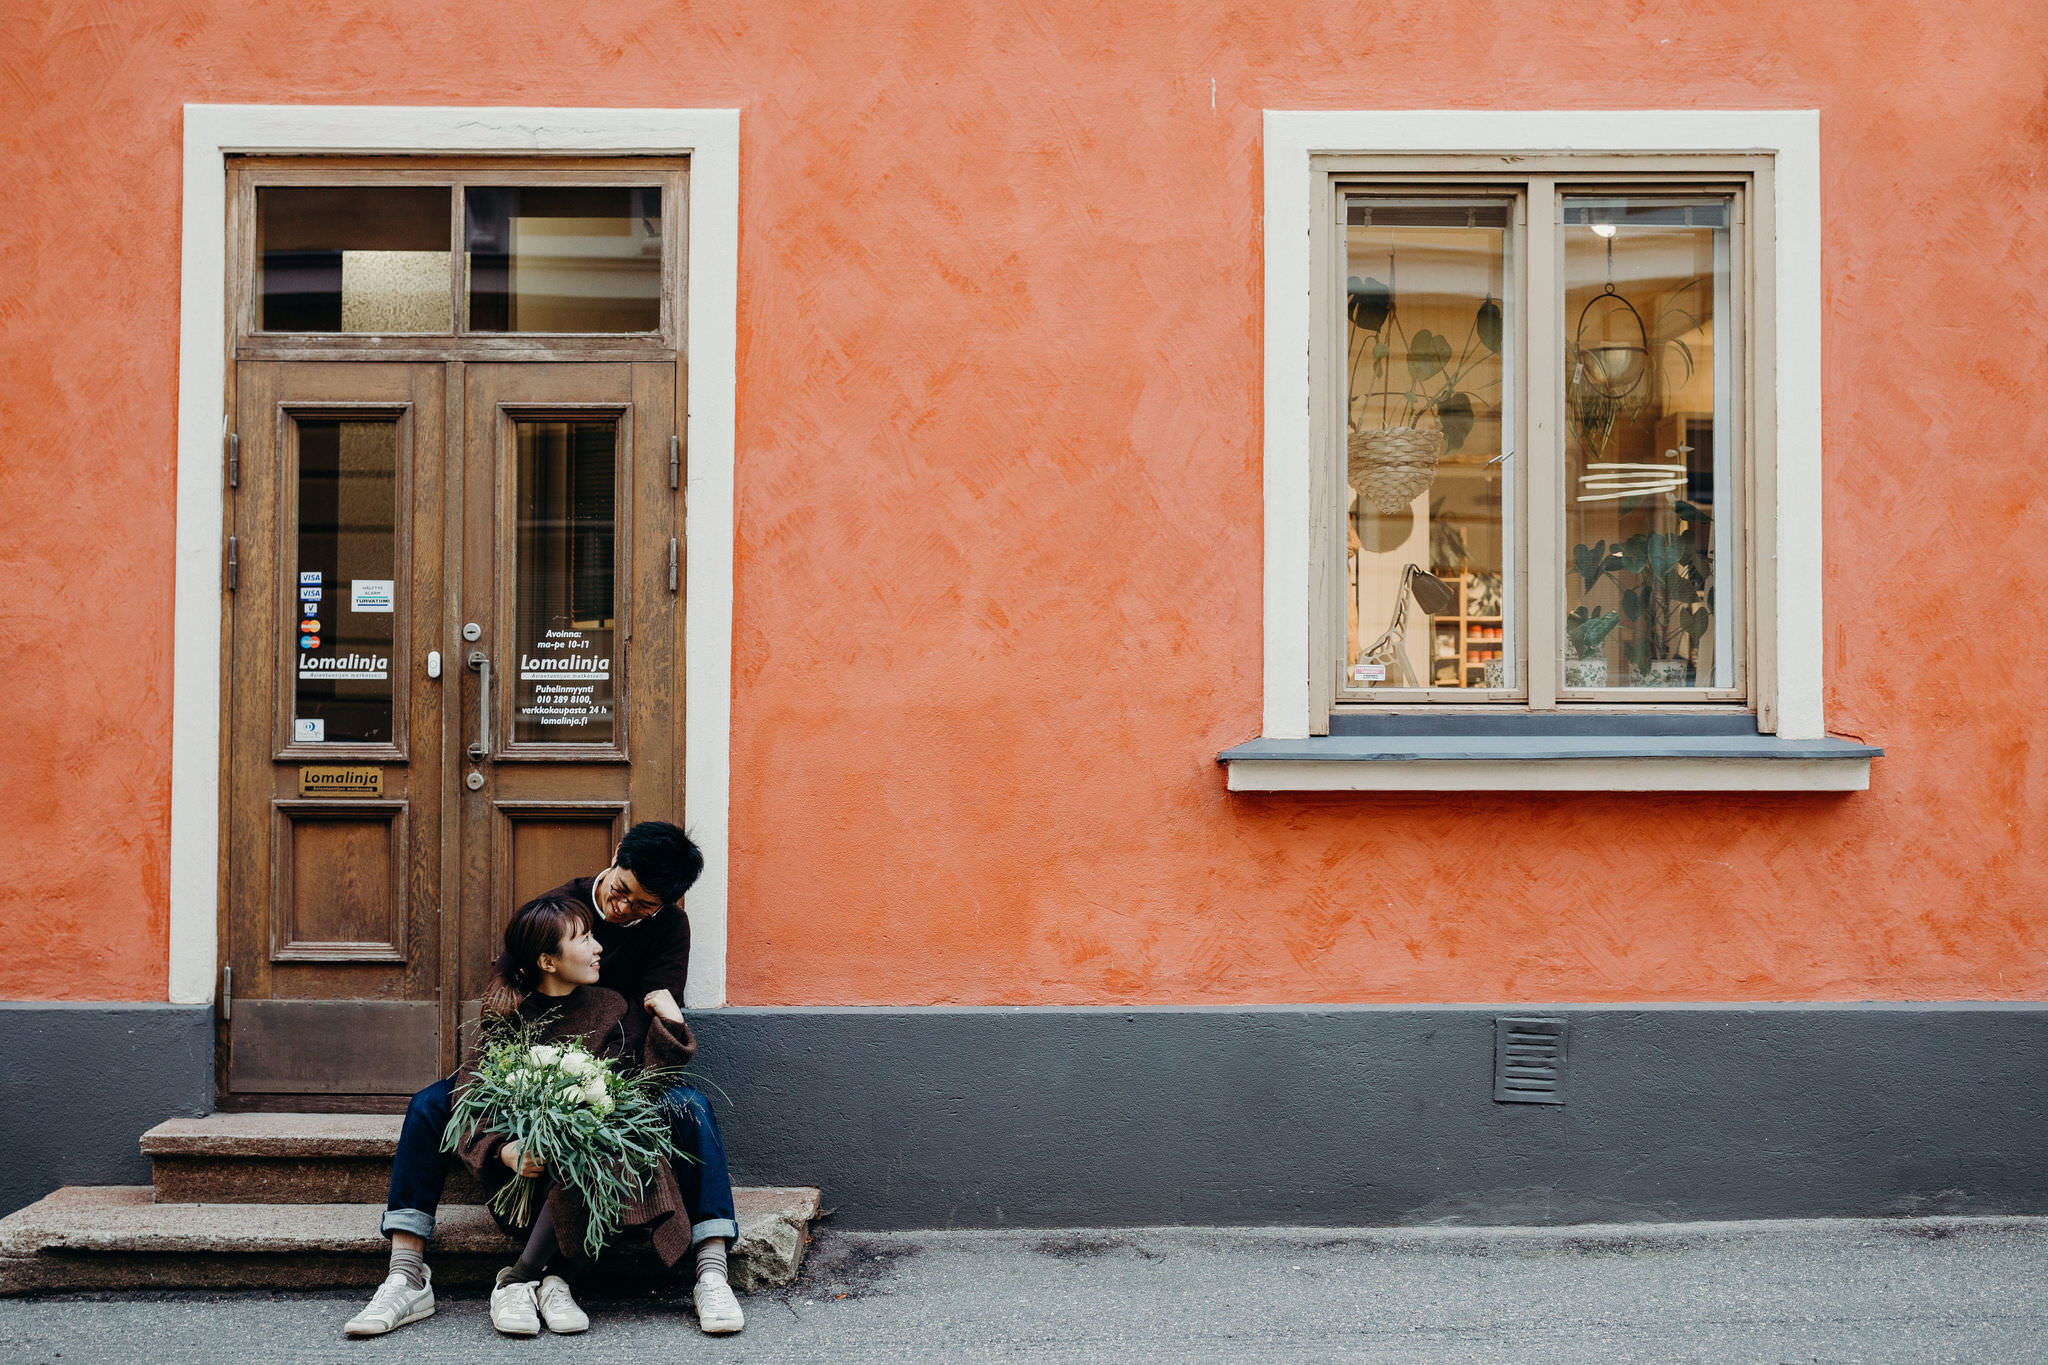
point(1918, 1290)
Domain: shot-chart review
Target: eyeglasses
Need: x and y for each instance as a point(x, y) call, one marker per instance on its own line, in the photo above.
point(641, 906)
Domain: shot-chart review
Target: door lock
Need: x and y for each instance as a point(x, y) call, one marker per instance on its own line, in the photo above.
point(475, 781)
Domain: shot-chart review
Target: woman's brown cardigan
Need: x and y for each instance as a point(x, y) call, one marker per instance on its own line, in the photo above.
point(604, 1023)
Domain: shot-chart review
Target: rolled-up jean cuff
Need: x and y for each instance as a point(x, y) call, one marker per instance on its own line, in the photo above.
point(714, 1227)
point(407, 1220)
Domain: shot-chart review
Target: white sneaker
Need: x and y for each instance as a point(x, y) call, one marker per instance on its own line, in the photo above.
point(718, 1312)
point(395, 1304)
point(514, 1310)
point(558, 1307)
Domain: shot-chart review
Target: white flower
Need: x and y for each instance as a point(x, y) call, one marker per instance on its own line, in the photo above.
point(544, 1054)
point(577, 1062)
point(595, 1095)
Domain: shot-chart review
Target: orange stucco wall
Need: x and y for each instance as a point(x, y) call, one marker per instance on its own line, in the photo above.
point(999, 495)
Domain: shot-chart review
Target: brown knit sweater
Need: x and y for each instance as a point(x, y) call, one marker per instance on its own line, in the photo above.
point(602, 1021)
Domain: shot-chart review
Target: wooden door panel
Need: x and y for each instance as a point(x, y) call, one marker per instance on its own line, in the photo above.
point(556, 793)
point(334, 898)
point(338, 882)
point(348, 1048)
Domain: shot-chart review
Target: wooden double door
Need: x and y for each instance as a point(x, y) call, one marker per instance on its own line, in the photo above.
point(453, 676)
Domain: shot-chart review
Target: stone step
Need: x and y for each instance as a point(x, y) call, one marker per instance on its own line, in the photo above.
point(121, 1237)
point(282, 1159)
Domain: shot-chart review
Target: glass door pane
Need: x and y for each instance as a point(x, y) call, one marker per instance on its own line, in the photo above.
point(1428, 323)
point(564, 689)
point(344, 581)
point(1649, 518)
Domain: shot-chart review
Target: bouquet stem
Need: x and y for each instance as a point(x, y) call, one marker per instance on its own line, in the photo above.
point(515, 1200)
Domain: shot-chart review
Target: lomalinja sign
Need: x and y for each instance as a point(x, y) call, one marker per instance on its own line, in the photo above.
point(344, 666)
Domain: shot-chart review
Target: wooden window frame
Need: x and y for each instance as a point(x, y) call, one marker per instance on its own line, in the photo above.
point(1535, 576)
point(248, 173)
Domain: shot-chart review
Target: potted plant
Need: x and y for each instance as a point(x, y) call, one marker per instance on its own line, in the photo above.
point(1665, 579)
point(1392, 457)
point(1585, 637)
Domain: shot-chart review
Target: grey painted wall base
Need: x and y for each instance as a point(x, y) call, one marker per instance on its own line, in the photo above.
point(1340, 1115)
point(1383, 1115)
point(82, 1082)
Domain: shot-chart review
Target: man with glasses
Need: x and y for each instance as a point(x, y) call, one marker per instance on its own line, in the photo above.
point(645, 936)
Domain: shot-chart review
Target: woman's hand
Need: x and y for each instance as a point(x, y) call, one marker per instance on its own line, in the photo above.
point(518, 1162)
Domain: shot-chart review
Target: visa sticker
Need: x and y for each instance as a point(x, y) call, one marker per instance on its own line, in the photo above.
point(308, 577)
point(309, 594)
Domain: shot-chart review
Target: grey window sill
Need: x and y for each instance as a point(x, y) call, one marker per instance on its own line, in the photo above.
point(1466, 752)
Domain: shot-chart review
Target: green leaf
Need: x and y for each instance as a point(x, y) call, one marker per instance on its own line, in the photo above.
point(1455, 413)
point(1367, 302)
point(1685, 352)
point(1663, 553)
point(1489, 324)
point(1698, 622)
point(1428, 355)
point(1635, 552)
point(1590, 563)
point(1633, 601)
point(1688, 512)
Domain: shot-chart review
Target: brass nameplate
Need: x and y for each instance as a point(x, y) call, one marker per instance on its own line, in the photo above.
point(341, 781)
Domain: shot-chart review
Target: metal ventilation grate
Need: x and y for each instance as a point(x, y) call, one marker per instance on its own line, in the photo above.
point(1528, 1060)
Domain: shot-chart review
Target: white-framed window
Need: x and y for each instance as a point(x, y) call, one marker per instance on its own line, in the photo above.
point(1542, 426)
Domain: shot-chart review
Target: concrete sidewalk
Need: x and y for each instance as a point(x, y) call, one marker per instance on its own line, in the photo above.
point(1920, 1290)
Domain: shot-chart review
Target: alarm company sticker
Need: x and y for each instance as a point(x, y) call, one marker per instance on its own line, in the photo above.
point(1368, 673)
point(369, 594)
point(313, 731)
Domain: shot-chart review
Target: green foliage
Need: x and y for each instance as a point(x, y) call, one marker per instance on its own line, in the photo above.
point(599, 1126)
point(1665, 582)
point(1587, 629)
point(1437, 371)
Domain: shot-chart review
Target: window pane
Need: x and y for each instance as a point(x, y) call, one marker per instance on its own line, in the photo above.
point(1648, 460)
point(353, 258)
point(564, 686)
point(345, 571)
point(564, 258)
point(1427, 327)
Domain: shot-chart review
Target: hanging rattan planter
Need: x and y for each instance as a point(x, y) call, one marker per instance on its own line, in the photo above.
point(1392, 466)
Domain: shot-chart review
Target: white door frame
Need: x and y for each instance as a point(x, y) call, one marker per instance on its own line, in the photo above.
point(213, 132)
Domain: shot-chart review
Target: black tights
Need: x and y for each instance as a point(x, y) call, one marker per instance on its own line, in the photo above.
point(541, 1250)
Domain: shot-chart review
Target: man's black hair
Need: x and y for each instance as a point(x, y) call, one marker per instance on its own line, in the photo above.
point(661, 858)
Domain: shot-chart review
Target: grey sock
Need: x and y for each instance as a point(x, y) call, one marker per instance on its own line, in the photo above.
point(711, 1258)
point(409, 1263)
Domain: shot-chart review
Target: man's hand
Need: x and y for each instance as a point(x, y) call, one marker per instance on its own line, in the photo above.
point(520, 1163)
point(663, 1003)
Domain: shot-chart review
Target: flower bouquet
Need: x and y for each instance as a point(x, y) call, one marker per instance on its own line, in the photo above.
point(599, 1127)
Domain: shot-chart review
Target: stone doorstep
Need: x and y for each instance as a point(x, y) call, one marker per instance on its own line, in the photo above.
point(119, 1237)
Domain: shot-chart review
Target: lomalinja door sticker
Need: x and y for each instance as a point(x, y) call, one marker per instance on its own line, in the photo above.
point(564, 683)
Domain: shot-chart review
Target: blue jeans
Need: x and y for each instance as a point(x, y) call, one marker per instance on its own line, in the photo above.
point(420, 1168)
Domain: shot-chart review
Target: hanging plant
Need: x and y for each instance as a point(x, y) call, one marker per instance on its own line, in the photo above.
point(1393, 460)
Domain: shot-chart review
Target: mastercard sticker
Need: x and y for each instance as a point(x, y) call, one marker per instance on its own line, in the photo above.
point(311, 623)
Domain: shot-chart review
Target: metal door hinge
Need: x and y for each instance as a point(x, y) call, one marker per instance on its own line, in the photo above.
point(672, 564)
point(227, 992)
point(675, 462)
point(234, 563)
point(234, 459)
